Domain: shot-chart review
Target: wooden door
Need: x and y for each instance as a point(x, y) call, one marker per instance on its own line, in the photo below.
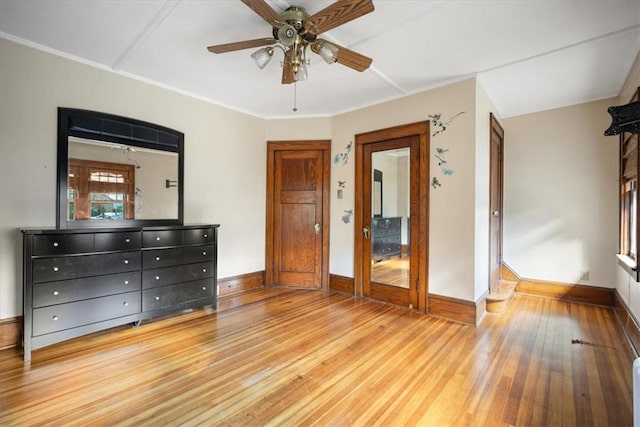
point(495, 203)
point(297, 229)
point(414, 140)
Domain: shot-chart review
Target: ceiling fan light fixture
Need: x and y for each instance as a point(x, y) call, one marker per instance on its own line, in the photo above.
point(328, 52)
point(301, 75)
point(287, 35)
point(262, 56)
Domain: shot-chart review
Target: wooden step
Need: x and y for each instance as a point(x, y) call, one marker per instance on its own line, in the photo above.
point(500, 296)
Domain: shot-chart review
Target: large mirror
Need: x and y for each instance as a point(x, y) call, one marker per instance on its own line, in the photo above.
point(116, 171)
point(390, 226)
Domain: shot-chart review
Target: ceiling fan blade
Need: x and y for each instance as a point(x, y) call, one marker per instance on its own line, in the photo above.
point(265, 11)
point(230, 47)
point(337, 14)
point(346, 57)
point(287, 70)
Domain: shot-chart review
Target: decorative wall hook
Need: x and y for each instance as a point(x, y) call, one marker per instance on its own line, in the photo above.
point(170, 183)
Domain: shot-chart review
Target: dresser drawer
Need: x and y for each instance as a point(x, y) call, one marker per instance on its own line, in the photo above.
point(61, 244)
point(157, 258)
point(198, 236)
point(181, 273)
point(72, 267)
point(177, 295)
point(51, 293)
point(159, 238)
point(65, 316)
point(392, 223)
point(377, 224)
point(123, 241)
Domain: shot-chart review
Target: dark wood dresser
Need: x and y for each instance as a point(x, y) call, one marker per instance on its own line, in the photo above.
point(82, 281)
point(386, 237)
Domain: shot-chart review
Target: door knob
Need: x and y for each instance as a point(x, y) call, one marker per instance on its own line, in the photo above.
point(317, 227)
point(365, 230)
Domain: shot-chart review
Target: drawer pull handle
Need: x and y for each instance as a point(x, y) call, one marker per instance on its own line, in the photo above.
point(204, 252)
point(157, 258)
point(126, 261)
point(55, 293)
point(55, 317)
point(204, 288)
point(126, 282)
point(55, 269)
point(127, 240)
point(157, 298)
point(204, 270)
point(55, 244)
point(157, 277)
point(157, 239)
point(206, 235)
point(125, 303)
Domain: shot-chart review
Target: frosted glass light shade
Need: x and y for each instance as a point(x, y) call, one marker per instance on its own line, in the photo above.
point(262, 56)
point(302, 74)
point(328, 52)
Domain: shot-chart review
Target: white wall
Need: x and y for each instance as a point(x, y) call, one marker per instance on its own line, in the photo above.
point(451, 228)
point(561, 195)
point(224, 154)
point(303, 129)
point(484, 107)
point(388, 165)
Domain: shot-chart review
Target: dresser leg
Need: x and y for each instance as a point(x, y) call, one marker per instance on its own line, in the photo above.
point(26, 346)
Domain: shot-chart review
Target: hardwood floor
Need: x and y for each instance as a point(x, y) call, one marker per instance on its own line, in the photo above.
point(391, 271)
point(300, 357)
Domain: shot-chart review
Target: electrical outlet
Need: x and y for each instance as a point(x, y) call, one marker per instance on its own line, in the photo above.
point(584, 275)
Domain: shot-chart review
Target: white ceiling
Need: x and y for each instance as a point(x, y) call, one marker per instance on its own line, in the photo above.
point(529, 55)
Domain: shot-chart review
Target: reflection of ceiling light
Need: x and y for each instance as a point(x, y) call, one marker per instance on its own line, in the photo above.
point(75, 142)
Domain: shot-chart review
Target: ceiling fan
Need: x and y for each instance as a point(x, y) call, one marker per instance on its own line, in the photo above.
point(294, 31)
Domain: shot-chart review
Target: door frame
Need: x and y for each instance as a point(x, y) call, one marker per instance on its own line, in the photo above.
point(496, 129)
point(421, 130)
point(303, 145)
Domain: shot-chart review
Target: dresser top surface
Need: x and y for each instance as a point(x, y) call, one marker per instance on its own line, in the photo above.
point(40, 230)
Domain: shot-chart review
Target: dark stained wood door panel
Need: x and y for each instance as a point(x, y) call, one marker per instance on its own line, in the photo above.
point(297, 232)
point(298, 219)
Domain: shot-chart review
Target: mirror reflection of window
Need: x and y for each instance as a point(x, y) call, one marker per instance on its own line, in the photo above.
point(100, 190)
point(390, 229)
point(71, 203)
point(125, 182)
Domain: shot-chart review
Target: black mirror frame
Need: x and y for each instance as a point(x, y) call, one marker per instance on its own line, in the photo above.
point(377, 177)
point(123, 130)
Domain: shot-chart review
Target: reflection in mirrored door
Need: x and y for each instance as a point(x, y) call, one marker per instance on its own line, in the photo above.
point(390, 222)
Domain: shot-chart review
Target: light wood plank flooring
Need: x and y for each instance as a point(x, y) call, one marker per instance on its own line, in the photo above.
point(392, 271)
point(299, 357)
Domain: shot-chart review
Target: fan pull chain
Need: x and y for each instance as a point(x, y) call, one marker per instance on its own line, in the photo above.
point(295, 108)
